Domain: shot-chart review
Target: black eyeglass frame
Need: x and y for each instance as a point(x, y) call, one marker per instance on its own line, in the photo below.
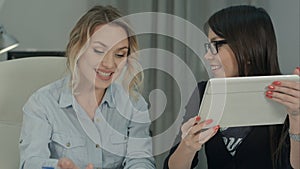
point(215, 48)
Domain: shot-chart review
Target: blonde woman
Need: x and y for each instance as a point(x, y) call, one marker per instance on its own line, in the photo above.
point(87, 119)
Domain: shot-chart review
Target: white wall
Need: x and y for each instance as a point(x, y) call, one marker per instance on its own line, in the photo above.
point(41, 24)
point(45, 24)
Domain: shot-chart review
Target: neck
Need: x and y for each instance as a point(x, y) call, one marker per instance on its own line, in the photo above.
point(89, 99)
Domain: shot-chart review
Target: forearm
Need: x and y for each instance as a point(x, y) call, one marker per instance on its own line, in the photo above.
point(182, 158)
point(295, 145)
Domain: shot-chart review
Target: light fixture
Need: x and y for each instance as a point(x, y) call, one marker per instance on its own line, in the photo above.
point(7, 42)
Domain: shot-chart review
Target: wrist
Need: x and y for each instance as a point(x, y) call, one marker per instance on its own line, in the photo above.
point(294, 124)
point(187, 150)
point(181, 158)
point(294, 136)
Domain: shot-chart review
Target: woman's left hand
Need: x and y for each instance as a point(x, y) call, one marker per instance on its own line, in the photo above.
point(286, 93)
point(66, 163)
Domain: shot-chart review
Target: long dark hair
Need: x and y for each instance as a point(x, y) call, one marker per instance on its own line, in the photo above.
point(249, 32)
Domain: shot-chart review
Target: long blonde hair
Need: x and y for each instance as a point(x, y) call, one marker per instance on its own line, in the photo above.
point(83, 30)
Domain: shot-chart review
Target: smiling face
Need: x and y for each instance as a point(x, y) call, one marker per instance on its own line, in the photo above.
point(223, 64)
point(104, 57)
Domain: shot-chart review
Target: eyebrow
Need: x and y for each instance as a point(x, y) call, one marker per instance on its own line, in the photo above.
point(104, 45)
point(216, 38)
point(125, 47)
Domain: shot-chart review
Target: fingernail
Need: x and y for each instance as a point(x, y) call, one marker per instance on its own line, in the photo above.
point(216, 128)
point(198, 118)
point(277, 83)
point(269, 96)
point(271, 87)
point(269, 92)
point(208, 121)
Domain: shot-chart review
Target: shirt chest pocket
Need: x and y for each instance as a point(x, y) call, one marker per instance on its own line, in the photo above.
point(73, 147)
point(119, 144)
point(115, 151)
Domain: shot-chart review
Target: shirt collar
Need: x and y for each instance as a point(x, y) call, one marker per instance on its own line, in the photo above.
point(66, 97)
point(109, 96)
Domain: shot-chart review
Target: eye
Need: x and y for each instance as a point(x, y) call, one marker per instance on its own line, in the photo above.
point(120, 55)
point(98, 51)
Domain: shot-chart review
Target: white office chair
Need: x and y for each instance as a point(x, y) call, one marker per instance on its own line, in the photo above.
point(18, 80)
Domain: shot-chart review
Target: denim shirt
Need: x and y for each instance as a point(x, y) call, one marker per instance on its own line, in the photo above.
point(56, 126)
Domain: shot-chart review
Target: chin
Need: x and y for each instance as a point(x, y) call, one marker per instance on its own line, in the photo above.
point(219, 74)
point(102, 85)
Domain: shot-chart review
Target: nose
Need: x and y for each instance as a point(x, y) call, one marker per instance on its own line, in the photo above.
point(208, 55)
point(108, 60)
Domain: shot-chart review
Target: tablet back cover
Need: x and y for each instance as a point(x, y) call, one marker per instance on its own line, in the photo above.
point(241, 101)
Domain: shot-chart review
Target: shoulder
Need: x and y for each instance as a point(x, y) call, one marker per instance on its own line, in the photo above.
point(122, 97)
point(201, 85)
point(49, 92)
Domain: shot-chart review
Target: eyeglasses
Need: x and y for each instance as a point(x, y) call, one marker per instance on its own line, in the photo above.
point(213, 46)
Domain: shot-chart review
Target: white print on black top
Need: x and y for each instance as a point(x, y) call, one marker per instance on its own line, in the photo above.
point(233, 137)
point(232, 144)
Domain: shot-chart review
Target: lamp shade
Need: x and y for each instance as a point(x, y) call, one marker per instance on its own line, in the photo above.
point(7, 42)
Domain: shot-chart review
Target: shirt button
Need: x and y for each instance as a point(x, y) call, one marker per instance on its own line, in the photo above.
point(97, 145)
point(68, 144)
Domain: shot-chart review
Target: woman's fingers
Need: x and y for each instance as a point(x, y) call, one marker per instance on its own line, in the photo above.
point(188, 125)
point(290, 102)
point(287, 87)
point(195, 135)
point(198, 127)
point(65, 163)
point(297, 71)
point(286, 93)
point(207, 134)
point(89, 166)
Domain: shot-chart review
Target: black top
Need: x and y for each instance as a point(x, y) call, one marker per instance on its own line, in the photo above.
point(253, 152)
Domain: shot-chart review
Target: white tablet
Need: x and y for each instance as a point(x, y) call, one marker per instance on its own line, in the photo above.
point(241, 101)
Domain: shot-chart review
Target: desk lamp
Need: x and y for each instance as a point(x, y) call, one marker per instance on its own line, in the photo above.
point(7, 42)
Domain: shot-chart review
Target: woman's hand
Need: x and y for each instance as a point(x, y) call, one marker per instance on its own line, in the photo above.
point(65, 163)
point(193, 136)
point(286, 93)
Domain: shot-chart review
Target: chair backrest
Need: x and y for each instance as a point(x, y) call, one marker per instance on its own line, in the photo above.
point(9, 145)
point(18, 80)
